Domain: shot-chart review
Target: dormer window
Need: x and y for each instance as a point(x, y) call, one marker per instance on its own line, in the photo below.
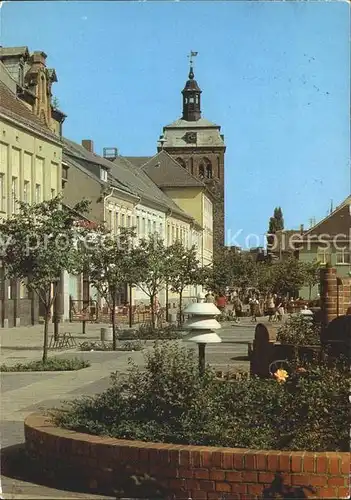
point(103, 174)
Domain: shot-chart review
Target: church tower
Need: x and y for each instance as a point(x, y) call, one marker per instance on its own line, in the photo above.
point(198, 146)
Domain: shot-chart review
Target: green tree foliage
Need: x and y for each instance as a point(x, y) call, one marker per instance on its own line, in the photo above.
point(276, 223)
point(312, 275)
point(231, 269)
point(38, 243)
point(288, 277)
point(109, 262)
point(184, 271)
point(152, 268)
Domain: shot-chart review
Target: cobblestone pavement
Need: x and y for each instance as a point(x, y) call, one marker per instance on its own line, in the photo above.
point(24, 393)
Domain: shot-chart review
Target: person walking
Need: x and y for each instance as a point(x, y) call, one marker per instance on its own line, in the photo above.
point(238, 307)
point(254, 305)
point(270, 307)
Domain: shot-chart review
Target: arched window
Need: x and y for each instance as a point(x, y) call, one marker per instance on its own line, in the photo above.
point(181, 162)
point(205, 168)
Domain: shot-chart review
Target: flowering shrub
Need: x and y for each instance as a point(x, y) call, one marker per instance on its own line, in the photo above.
point(169, 402)
point(299, 331)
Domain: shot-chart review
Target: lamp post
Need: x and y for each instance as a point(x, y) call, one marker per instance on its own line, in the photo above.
point(201, 325)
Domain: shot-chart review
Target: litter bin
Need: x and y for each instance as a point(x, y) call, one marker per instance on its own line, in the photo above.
point(106, 334)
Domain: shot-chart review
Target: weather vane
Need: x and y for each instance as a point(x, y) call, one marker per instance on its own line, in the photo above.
point(191, 55)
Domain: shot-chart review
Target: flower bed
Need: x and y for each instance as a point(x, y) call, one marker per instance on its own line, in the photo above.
point(121, 467)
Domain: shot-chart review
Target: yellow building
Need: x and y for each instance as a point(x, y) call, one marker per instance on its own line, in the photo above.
point(30, 158)
point(191, 195)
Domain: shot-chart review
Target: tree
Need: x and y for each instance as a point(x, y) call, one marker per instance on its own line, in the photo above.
point(276, 223)
point(312, 275)
point(231, 269)
point(38, 244)
point(151, 269)
point(184, 271)
point(108, 262)
point(288, 277)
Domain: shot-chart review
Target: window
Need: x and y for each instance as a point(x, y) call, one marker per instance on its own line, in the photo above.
point(161, 228)
point(168, 233)
point(177, 233)
point(149, 226)
point(343, 257)
point(181, 162)
point(109, 220)
point(14, 194)
point(138, 225)
point(103, 174)
point(123, 220)
point(154, 227)
point(172, 234)
point(209, 171)
point(26, 192)
point(201, 171)
point(37, 193)
point(53, 193)
point(129, 221)
point(324, 257)
point(2, 192)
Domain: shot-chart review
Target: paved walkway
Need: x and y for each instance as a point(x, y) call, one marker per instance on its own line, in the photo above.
point(24, 393)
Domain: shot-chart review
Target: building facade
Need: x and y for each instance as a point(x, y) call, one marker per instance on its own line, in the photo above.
point(198, 146)
point(30, 164)
point(329, 243)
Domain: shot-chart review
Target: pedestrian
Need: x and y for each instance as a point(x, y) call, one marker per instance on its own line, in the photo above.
point(254, 305)
point(270, 307)
point(210, 298)
point(221, 302)
point(238, 308)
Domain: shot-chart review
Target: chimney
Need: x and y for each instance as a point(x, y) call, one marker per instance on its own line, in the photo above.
point(39, 57)
point(88, 145)
point(301, 228)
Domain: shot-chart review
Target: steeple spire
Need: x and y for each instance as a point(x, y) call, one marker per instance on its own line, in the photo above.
point(191, 95)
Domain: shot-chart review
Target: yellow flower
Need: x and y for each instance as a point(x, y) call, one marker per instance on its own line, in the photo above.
point(281, 375)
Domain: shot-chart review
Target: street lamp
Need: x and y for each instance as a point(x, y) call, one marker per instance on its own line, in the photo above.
point(202, 324)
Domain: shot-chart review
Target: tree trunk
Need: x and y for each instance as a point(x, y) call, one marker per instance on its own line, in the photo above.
point(113, 321)
point(46, 336)
point(181, 308)
point(46, 324)
point(152, 300)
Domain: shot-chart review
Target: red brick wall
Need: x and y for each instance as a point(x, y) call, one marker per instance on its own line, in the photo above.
point(335, 295)
point(196, 472)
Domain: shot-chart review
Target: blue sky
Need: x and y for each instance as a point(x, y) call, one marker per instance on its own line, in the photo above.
point(274, 75)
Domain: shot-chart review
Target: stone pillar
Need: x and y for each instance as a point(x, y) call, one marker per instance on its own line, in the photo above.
point(329, 295)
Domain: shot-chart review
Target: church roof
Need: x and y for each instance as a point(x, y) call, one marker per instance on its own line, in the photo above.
point(164, 171)
point(201, 123)
point(207, 134)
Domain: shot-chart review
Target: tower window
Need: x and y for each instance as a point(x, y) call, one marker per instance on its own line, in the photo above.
point(191, 100)
point(209, 171)
point(181, 162)
point(201, 171)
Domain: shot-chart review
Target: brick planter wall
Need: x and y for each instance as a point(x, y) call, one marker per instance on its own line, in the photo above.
point(179, 472)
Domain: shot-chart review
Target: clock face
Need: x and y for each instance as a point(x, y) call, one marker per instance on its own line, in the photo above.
point(190, 137)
